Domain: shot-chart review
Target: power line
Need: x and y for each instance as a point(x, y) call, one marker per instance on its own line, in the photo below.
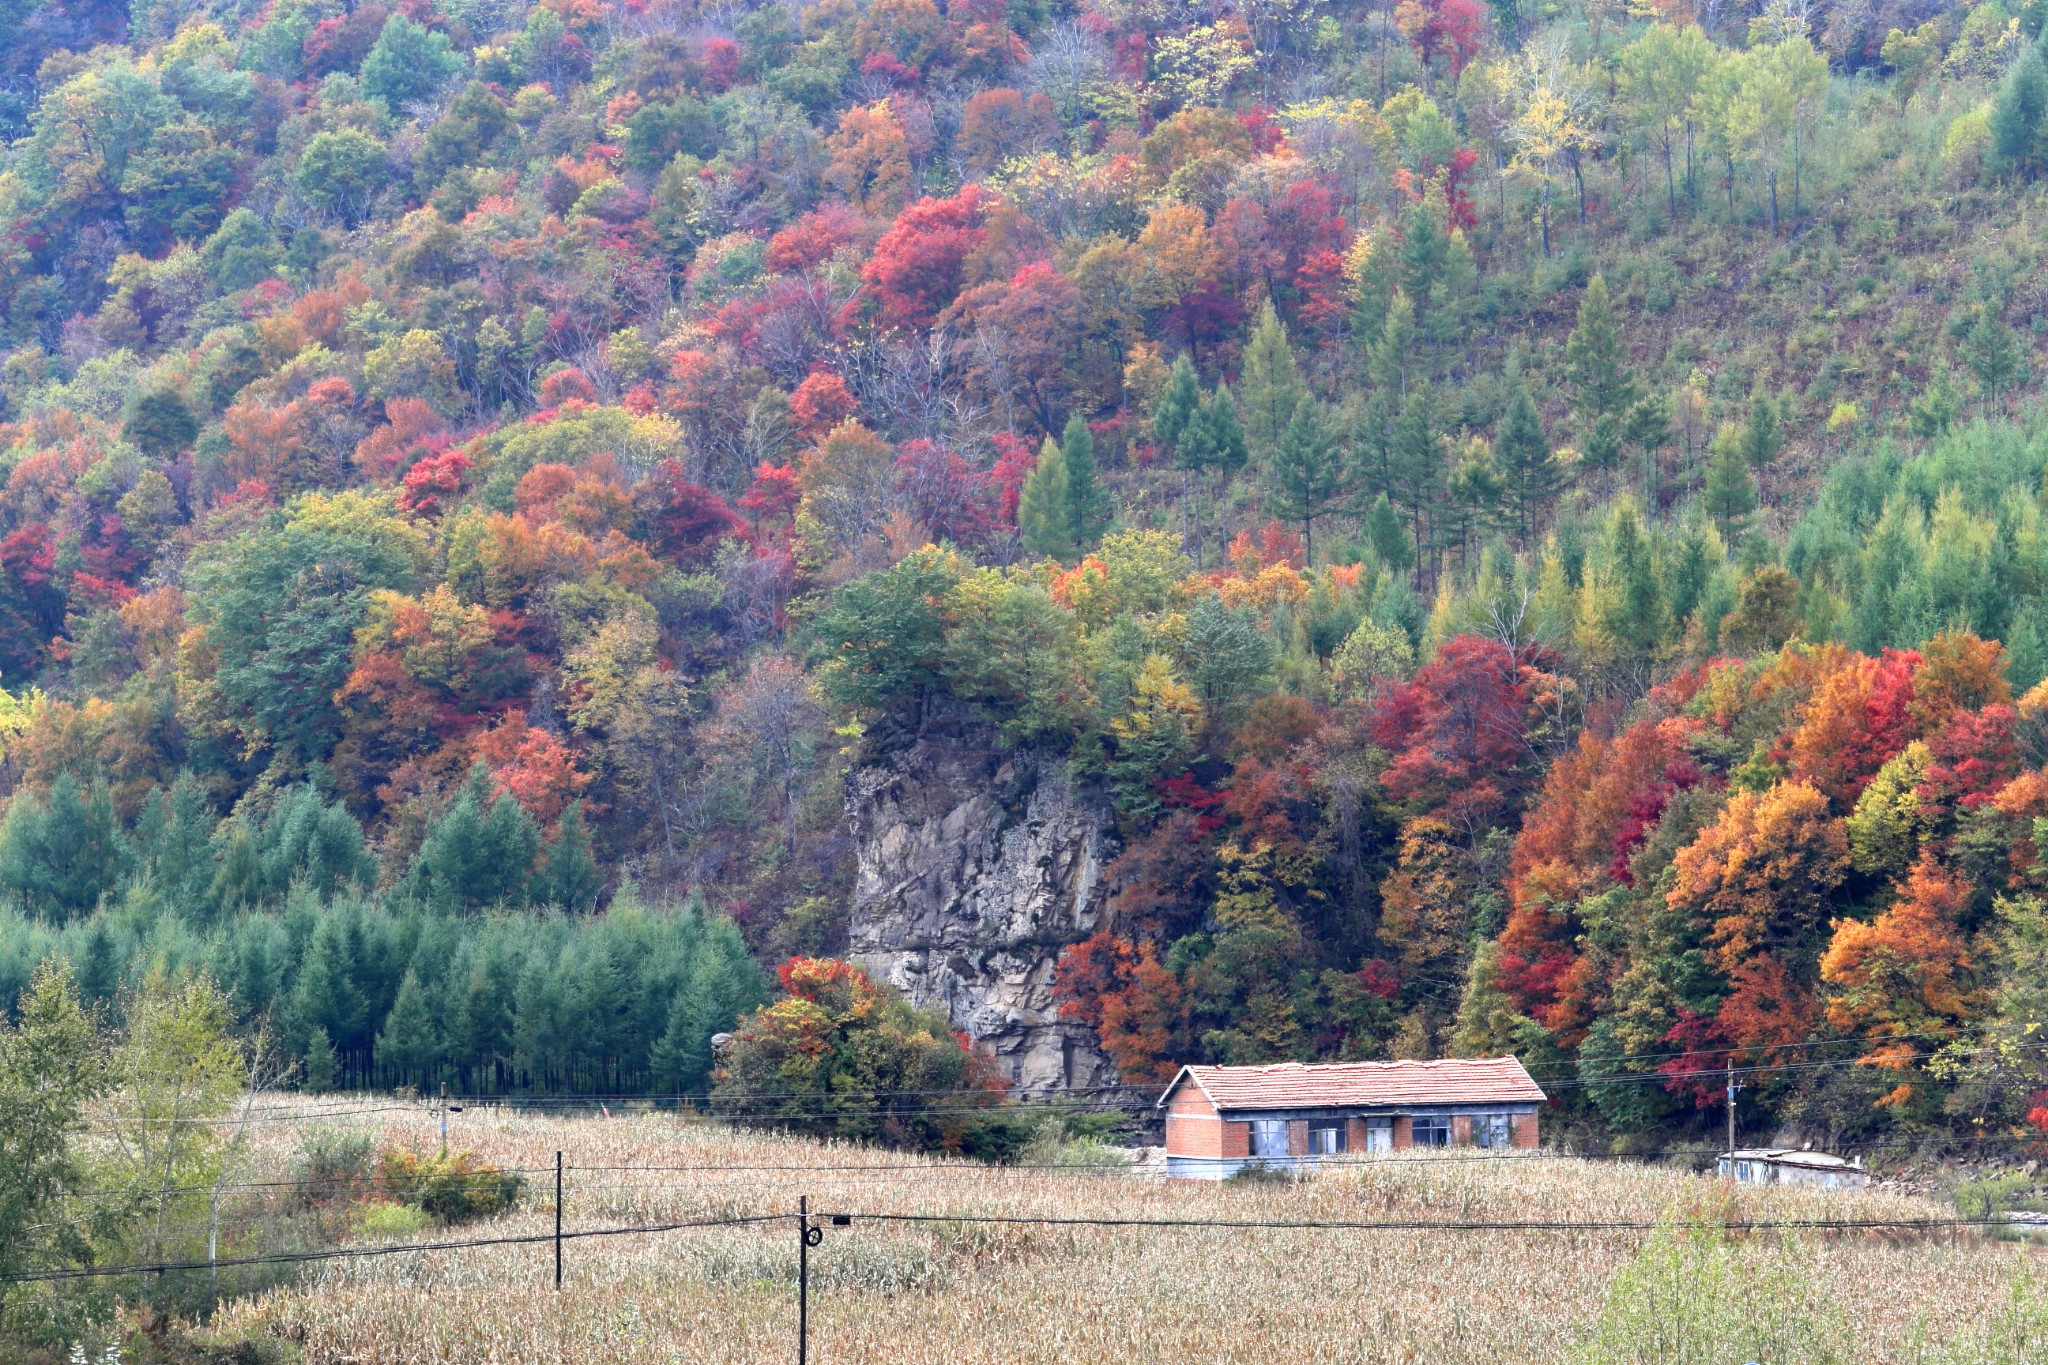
point(1180, 1224)
point(393, 1249)
point(1433, 1225)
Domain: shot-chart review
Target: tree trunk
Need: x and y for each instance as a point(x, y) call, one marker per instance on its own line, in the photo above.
point(1795, 179)
point(1771, 184)
point(1546, 220)
point(1579, 178)
point(1670, 183)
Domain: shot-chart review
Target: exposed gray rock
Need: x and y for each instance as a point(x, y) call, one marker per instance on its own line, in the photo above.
point(977, 866)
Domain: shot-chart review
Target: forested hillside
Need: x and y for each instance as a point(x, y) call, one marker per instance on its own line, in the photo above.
point(1532, 515)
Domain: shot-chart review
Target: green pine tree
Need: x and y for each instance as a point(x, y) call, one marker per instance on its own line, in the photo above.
point(1993, 353)
point(1730, 494)
point(1934, 411)
point(2016, 114)
point(1215, 440)
point(1762, 437)
point(1389, 363)
point(1175, 407)
point(1088, 509)
point(1306, 477)
point(480, 851)
point(408, 1046)
point(1044, 510)
point(1596, 359)
point(62, 852)
point(321, 1063)
point(569, 875)
point(1636, 614)
point(1389, 537)
point(1521, 452)
point(1269, 388)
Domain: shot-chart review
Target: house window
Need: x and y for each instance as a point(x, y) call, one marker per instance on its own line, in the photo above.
point(1326, 1139)
point(1491, 1130)
point(1434, 1131)
point(1269, 1137)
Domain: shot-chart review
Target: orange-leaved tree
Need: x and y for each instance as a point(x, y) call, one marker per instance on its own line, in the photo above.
point(841, 1056)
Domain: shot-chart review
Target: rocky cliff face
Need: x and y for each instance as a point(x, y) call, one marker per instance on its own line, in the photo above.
point(977, 866)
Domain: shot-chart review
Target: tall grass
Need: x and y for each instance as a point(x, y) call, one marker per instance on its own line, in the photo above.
point(979, 1294)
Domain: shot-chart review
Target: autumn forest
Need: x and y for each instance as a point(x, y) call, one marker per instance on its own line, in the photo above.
point(1533, 520)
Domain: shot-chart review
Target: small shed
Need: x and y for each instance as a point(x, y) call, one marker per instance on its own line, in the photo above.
point(1794, 1166)
point(1220, 1119)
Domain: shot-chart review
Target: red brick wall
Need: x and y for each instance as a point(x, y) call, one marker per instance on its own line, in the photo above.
point(1297, 1137)
point(1461, 1130)
point(1404, 1137)
point(1522, 1131)
point(1192, 1128)
point(1237, 1139)
point(1354, 1135)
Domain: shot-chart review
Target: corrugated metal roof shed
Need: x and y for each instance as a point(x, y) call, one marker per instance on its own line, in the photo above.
point(1293, 1085)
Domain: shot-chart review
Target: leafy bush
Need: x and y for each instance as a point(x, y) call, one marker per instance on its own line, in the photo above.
point(453, 1187)
point(382, 1221)
point(334, 1165)
point(1691, 1298)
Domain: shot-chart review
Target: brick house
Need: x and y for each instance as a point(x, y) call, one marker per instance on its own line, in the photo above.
point(1222, 1118)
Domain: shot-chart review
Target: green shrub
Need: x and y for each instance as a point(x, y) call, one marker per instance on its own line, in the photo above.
point(381, 1221)
point(1691, 1297)
point(453, 1187)
point(334, 1165)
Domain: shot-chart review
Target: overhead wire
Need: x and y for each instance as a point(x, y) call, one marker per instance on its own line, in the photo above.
point(827, 1216)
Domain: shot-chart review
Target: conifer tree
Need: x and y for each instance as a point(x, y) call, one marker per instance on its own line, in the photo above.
point(1306, 476)
point(407, 1046)
point(1596, 359)
point(1044, 508)
point(1393, 351)
point(1214, 443)
point(1648, 428)
point(1932, 413)
point(1992, 351)
point(1521, 452)
point(1416, 458)
point(1730, 494)
point(2017, 111)
point(1175, 407)
point(1088, 510)
point(1636, 615)
point(480, 852)
point(321, 1064)
point(1269, 388)
point(569, 875)
point(1216, 439)
point(61, 852)
point(1762, 437)
point(1388, 536)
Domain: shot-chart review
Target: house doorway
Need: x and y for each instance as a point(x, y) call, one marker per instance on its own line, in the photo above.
point(1379, 1136)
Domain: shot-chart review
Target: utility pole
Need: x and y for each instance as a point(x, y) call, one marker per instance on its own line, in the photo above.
point(558, 1221)
point(444, 1109)
point(1732, 1088)
point(803, 1278)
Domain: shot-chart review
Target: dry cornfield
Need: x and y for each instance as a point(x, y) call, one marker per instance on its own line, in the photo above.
point(951, 1293)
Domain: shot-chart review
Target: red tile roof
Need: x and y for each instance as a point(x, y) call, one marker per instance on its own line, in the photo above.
point(1291, 1085)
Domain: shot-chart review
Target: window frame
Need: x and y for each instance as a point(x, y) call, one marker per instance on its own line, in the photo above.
point(1262, 1131)
point(1336, 1127)
point(1438, 1126)
point(1493, 1132)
